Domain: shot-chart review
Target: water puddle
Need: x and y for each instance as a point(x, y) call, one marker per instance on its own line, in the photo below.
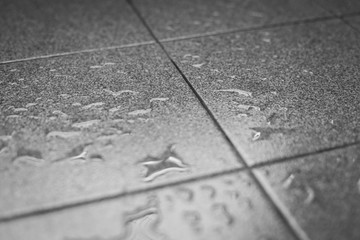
point(264, 133)
point(199, 65)
point(238, 91)
point(119, 93)
point(30, 157)
point(167, 162)
point(93, 105)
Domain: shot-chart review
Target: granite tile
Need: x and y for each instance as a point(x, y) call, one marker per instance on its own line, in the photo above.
point(340, 7)
point(228, 207)
point(171, 18)
point(281, 91)
point(354, 21)
point(87, 125)
point(42, 27)
point(322, 192)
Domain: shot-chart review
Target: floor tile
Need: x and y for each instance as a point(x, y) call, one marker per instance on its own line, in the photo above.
point(279, 92)
point(354, 21)
point(322, 192)
point(340, 6)
point(228, 207)
point(87, 125)
point(174, 18)
point(40, 27)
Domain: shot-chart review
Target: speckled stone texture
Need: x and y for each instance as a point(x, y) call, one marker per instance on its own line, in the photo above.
point(228, 207)
point(42, 27)
point(88, 125)
point(322, 192)
point(172, 18)
point(282, 91)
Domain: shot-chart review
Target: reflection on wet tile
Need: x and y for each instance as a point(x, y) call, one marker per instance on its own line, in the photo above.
point(279, 92)
point(171, 18)
point(227, 207)
point(322, 192)
point(125, 126)
point(41, 27)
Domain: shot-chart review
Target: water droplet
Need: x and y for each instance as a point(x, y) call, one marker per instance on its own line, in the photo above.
point(65, 135)
point(159, 99)
point(96, 157)
point(85, 124)
point(64, 96)
point(167, 162)
point(142, 224)
point(185, 194)
point(13, 70)
point(60, 114)
point(242, 115)
point(238, 91)
point(109, 63)
point(288, 181)
point(310, 195)
point(267, 132)
point(199, 65)
point(116, 109)
point(140, 112)
point(221, 211)
point(209, 190)
point(25, 156)
point(93, 105)
point(19, 110)
point(117, 94)
point(77, 153)
point(76, 104)
point(256, 136)
point(52, 70)
point(96, 66)
point(30, 105)
point(248, 107)
point(193, 218)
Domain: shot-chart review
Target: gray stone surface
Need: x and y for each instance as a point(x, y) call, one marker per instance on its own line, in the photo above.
point(227, 207)
point(172, 18)
point(322, 192)
point(341, 6)
point(282, 91)
point(354, 21)
point(41, 27)
point(88, 125)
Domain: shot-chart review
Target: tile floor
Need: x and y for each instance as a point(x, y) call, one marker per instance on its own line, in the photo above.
point(165, 119)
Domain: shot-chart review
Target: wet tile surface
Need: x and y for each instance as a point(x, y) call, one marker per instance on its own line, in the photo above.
point(228, 207)
point(340, 6)
point(178, 18)
point(322, 191)
point(279, 92)
point(88, 125)
point(40, 27)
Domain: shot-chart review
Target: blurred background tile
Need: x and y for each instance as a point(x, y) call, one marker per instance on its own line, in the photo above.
point(322, 192)
point(171, 18)
point(340, 7)
point(42, 27)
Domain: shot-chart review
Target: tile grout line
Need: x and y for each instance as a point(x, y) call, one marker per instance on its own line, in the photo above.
point(109, 197)
point(38, 212)
point(341, 17)
point(139, 191)
point(283, 213)
point(180, 38)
